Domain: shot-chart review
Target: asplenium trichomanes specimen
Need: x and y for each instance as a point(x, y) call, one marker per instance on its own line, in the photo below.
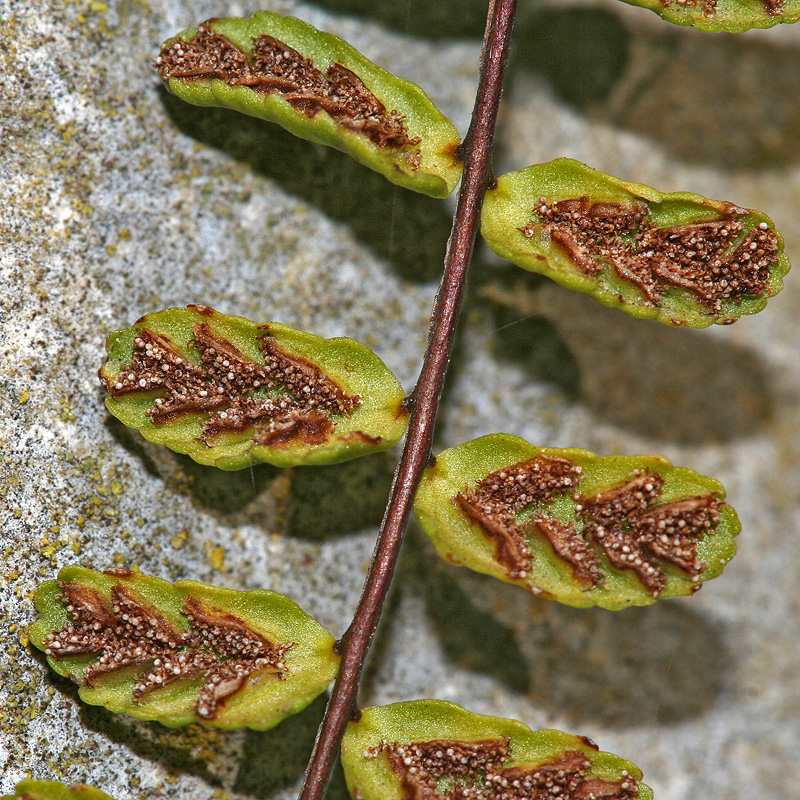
point(566, 524)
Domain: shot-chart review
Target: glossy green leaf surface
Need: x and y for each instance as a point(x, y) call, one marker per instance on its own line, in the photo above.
point(184, 652)
point(729, 16)
point(318, 87)
point(679, 258)
point(435, 749)
point(611, 531)
point(230, 393)
point(53, 790)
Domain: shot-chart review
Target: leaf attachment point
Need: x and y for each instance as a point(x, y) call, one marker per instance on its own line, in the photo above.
point(679, 258)
point(231, 393)
point(184, 652)
point(567, 525)
point(319, 88)
point(435, 750)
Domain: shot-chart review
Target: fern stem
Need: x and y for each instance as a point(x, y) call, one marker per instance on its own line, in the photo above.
point(477, 153)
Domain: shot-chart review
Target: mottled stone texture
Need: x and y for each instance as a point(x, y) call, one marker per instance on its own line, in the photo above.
point(117, 199)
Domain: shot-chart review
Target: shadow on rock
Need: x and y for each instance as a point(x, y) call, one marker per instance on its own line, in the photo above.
point(642, 666)
point(458, 19)
point(459, 354)
point(275, 760)
point(727, 101)
point(673, 384)
point(472, 638)
point(132, 441)
point(221, 492)
point(316, 502)
point(340, 498)
point(182, 751)
point(581, 52)
point(247, 495)
point(408, 229)
point(535, 344)
point(638, 667)
point(723, 100)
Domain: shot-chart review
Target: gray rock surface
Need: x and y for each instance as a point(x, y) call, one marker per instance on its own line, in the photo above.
point(116, 200)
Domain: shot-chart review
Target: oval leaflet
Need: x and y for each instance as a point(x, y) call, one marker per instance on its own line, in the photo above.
point(318, 87)
point(184, 652)
point(230, 393)
point(611, 531)
point(439, 751)
point(679, 258)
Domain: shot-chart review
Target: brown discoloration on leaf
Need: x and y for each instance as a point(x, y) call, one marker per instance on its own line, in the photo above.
point(510, 548)
point(311, 428)
point(595, 789)
point(285, 398)
point(711, 259)
point(670, 530)
point(277, 67)
point(622, 502)
point(119, 572)
point(569, 545)
point(158, 366)
point(624, 522)
point(773, 7)
point(224, 366)
point(240, 651)
point(455, 150)
point(129, 634)
point(494, 503)
point(421, 764)
point(636, 534)
point(360, 436)
point(587, 230)
point(518, 485)
point(610, 524)
point(305, 380)
point(589, 742)
point(137, 619)
point(583, 260)
point(242, 415)
point(220, 648)
point(86, 605)
point(476, 773)
point(205, 55)
point(206, 311)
